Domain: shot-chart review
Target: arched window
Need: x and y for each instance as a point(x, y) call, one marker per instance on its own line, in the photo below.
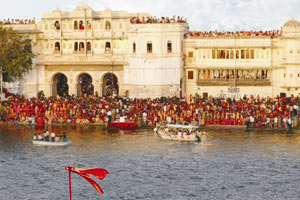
point(89, 25)
point(107, 46)
point(76, 46)
point(57, 46)
point(88, 46)
point(149, 47)
point(107, 25)
point(57, 25)
point(75, 25)
point(133, 47)
point(81, 25)
point(169, 47)
point(81, 46)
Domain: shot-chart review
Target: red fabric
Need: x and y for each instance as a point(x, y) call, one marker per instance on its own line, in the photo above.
point(97, 172)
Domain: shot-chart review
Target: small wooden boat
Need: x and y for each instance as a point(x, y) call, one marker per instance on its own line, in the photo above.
point(122, 124)
point(180, 133)
point(49, 143)
point(187, 138)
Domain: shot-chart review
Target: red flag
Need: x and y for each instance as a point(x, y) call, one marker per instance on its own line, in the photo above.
point(97, 172)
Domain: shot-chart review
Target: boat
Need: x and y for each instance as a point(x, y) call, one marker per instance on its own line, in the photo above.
point(49, 143)
point(122, 124)
point(187, 133)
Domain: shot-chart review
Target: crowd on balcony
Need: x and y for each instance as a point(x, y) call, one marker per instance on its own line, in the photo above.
point(251, 111)
point(234, 74)
point(272, 33)
point(155, 20)
point(251, 76)
point(17, 21)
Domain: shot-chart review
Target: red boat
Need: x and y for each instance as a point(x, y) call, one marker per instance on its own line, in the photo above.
point(122, 124)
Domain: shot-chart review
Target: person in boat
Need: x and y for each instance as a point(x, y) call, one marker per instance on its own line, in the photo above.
point(179, 134)
point(52, 136)
point(64, 137)
point(46, 135)
point(34, 137)
point(40, 138)
point(289, 123)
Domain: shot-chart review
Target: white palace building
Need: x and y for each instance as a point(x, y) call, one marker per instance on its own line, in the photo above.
point(120, 52)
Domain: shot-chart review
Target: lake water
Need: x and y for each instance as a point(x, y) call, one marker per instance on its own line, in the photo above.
point(228, 165)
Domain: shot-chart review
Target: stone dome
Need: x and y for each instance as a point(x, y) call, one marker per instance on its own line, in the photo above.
point(291, 28)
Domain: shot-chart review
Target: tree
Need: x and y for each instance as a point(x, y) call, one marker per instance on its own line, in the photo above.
point(15, 53)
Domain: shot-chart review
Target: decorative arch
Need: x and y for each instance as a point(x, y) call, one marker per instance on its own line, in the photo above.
point(110, 84)
point(59, 84)
point(84, 84)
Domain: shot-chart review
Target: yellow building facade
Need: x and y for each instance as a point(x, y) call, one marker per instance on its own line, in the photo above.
point(85, 51)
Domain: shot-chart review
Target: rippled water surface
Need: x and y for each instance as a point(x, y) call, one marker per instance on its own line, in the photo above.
point(229, 164)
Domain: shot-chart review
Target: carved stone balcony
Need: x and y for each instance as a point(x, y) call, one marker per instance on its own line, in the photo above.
point(234, 82)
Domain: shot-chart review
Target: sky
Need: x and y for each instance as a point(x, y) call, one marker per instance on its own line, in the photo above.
point(205, 15)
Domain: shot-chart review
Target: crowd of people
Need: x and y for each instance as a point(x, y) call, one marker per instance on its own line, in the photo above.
point(251, 76)
point(17, 21)
point(92, 109)
point(154, 20)
point(272, 33)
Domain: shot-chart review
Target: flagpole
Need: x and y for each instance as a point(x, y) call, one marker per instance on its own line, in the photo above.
point(70, 187)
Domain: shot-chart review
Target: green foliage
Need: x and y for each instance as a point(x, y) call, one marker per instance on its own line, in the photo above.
point(15, 53)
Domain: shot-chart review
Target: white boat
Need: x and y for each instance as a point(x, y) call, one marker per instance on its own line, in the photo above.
point(49, 143)
point(187, 133)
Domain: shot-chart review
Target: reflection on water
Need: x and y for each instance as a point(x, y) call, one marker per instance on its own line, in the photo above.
point(227, 165)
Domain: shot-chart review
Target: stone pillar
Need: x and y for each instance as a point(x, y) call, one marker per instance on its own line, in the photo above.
point(72, 87)
point(121, 89)
point(97, 87)
point(100, 92)
point(48, 89)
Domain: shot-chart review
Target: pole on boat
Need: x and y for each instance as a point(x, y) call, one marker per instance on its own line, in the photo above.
point(70, 186)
